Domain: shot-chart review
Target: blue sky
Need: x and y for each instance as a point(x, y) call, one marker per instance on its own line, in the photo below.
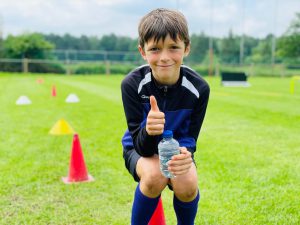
point(99, 17)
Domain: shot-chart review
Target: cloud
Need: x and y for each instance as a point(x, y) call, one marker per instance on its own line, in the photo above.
point(99, 17)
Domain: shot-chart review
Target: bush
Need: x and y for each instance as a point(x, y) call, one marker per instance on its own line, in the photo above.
point(121, 69)
point(90, 69)
point(102, 68)
point(45, 68)
point(32, 67)
point(11, 67)
point(203, 70)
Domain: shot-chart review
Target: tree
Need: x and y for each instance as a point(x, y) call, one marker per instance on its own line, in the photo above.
point(108, 42)
point(30, 45)
point(289, 43)
point(249, 44)
point(199, 48)
point(1, 47)
point(230, 49)
point(262, 53)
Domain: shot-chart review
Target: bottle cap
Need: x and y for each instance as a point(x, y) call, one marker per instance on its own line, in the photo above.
point(167, 134)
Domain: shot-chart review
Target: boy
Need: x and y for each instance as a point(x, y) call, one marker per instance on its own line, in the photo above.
point(163, 95)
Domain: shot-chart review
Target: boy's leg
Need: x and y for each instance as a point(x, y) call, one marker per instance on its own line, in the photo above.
point(152, 182)
point(148, 190)
point(186, 196)
point(143, 207)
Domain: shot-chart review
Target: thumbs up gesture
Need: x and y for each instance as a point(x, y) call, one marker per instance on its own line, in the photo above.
point(155, 119)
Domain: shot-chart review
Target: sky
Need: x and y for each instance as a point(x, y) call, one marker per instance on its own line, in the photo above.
point(256, 18)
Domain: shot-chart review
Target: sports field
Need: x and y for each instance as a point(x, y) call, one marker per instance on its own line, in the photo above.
point(248, 155)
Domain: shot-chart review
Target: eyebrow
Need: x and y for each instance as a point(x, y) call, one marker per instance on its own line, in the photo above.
point(155, 43)
point(151, 46)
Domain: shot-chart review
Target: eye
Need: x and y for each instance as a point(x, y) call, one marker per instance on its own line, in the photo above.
point(154, 49)
point(174, 47)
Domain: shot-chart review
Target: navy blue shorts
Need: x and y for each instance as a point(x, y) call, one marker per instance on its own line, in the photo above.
point(131, 157)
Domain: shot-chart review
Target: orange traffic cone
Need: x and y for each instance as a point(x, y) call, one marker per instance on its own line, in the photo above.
point(158, 217)
point(77, 170)
point(53, 91)
point(40, 81)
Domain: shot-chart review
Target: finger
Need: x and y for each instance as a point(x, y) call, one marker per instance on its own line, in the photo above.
point(180, 162)
point(153, 103)
point(184, 154)
point(154, 132)
point(155, 127)
point(152, 121)
point(183, 150)
point(155, 115)
point(179, 170)
point(182, 165)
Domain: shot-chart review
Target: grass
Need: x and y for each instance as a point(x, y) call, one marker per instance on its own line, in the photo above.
point(248, 153)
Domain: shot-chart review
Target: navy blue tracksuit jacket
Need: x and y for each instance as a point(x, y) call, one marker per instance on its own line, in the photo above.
point(184, 105)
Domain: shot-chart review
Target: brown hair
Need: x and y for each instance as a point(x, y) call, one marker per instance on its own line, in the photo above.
point(161, 22)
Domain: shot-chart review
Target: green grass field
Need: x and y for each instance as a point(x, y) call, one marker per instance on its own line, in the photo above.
point(248, 153)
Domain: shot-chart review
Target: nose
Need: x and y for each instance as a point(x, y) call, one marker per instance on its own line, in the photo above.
point(164, 56)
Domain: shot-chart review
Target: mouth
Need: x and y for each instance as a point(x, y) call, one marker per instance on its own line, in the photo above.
point(164, 66)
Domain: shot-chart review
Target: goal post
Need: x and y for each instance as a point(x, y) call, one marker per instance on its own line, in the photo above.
point(293, 83)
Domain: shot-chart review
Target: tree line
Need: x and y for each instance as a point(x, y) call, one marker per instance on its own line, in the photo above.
point(226, 50)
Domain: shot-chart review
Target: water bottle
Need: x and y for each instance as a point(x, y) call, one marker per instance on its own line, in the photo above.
point(167, 147)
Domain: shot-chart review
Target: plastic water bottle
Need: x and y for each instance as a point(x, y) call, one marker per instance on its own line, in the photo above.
point(167, 147)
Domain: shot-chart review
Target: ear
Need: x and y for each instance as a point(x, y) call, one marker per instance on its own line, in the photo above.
point(187, 50)
point(142, 52)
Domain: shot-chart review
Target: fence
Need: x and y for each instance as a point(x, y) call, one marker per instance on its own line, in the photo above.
point(105, 62)
point(74, 61)
point(26, 65)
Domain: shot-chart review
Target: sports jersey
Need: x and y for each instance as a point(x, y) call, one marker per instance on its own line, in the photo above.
point(184, 105)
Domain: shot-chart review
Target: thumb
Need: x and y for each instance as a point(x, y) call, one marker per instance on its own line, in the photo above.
point(153, 103)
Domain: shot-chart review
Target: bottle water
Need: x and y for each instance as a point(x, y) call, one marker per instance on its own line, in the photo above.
point(167, 147)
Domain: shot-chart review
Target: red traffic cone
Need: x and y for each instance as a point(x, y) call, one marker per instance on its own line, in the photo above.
point(53, 91)
point(77, 170)
point(158, 217)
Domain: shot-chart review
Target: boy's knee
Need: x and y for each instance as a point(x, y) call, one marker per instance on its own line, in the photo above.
point(187, 189)
point(153, 183)
point(188, 195)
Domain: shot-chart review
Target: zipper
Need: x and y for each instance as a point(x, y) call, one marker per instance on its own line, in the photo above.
point(165, 97)
point(165, 90)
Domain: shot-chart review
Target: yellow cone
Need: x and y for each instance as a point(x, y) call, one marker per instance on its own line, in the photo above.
point(61, 127)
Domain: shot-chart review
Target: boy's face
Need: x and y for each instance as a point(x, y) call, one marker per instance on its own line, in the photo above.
point(165, 58)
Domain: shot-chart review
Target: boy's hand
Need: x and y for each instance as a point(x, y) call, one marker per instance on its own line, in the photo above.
point(181, 163)
point(155, 119)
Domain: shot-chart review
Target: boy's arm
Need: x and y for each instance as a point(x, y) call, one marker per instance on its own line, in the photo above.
point(197, 118)
point(199, 113)
point(143, 143)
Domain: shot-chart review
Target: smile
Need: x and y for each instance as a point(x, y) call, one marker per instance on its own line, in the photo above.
point(165, 65)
